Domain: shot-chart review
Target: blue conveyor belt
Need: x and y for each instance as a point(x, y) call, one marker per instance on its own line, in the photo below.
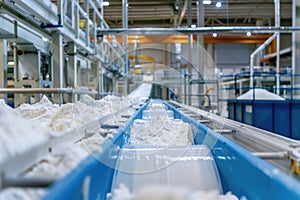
point(240, 172)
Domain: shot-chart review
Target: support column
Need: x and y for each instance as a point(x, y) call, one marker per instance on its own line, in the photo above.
point(277, 24)
point(189, 8)
point(39, 66)
point(3, 67)
point(201, 50)
point(16, 75)
point(58, 64)
point(190, 46)
point(296, 45)
point(101, 81)
point(125, 44)
point(98, 78)
point(76, 20)
point(200, 21)
point(72, 78)
point(189, 75)
point(87, 29)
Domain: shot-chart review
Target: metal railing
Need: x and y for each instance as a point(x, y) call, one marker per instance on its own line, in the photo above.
point(236, 85)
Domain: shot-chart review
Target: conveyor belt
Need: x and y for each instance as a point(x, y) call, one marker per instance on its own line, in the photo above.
point(273, 148)
point(141, 166)
point(242, 173)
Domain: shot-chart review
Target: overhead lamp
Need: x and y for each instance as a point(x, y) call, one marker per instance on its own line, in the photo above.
point(206, 2)
point(219, 4)
point(214, 34)
point(10, 63)
point(248, 34)
point(105, 3)
point(193, 26)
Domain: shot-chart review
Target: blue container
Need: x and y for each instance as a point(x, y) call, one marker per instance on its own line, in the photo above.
point(262, 115)
point(239, 112)
point(241, 173)
point(247, 112)
point(295, 120)
point(282, 118)
point(231, 109)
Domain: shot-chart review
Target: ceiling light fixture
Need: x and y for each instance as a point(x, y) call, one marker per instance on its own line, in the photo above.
point(206, 2)
point(219, 4)
point(105, 3)
point(248, 34)
point(10, 63)
point(214, 34)
point(193, 26)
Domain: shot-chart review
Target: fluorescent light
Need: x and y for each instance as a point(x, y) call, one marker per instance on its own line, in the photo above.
point(105, 3)
point(214, 34)
point(10, 63)
point(193, 26)
point(206, 2)
point(218, 4)
point(248, 34)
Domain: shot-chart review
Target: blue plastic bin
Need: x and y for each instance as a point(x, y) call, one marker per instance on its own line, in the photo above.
point(281, 117)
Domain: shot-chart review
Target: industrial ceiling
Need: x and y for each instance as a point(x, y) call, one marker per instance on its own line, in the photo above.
point(166, 13)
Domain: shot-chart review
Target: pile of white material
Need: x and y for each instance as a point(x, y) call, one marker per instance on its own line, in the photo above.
point(42, 111)
point(164, 192)
point(108, 104)
point(161, 131)
point(259, 94)
point(71, 115)
point(18, 134)
point(88, 100)
point(67, 158)
point(4, 106)
point(23, 134)
point(22, 193)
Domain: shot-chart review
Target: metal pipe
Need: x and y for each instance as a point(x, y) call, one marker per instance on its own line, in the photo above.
point(27, 182)
point(44, 90)
point(100, 16)
point(295, 49)
point(3, 66)
point(81, 11)
point(125, 14)
point(277, 24)
point(112, 48)
point(189, 20)
point(200, 37)
point(258, 50)
point(185, 86)
point(271, 155)
point(87, 28)
point(190, 51)
point(125, 44)
point(168, 31)
point(182, 13)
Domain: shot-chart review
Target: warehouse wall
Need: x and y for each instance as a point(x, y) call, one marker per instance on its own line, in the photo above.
point(232, 55)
